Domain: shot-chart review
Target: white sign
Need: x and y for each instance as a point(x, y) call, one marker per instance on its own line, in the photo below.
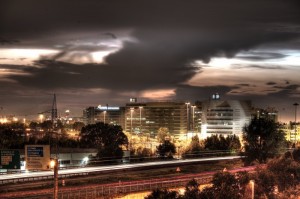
point(108, 108)
point(37, 157)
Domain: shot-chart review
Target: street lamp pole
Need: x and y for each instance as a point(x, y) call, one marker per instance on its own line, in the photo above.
point(140, 118)
point(193, 117)
point(295, 104)
point(187, 118)
point(55, 193)
point(252, 188)
point(104, 113)
point(131, 113)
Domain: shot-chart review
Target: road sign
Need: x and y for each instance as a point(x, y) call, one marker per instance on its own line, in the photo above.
point(37, 157)
point(9, 159)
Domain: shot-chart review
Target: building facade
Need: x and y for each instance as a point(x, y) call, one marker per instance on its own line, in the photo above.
point(224, 117)
point(148, 117)
point(106, 114)
point(183, 119)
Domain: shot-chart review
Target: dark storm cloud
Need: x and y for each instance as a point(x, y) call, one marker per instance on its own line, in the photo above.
point(271, 83)
point(5, 41)
point(169, 35)
point(292, 87)
point(257, 66)
point(246, 85)
point(261, 56)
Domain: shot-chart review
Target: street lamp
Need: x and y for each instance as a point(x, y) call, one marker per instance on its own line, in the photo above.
point(41, 117)
point(187, 117)
point(140, 118)
point(193, 116)
point(54, 166)
point(104, 113)
point(131, 114)
point(295, 104)
point(252, 188)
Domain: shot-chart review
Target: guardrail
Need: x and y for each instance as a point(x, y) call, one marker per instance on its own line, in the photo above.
point(117, 189)
point(46, 177)
point(122, 189)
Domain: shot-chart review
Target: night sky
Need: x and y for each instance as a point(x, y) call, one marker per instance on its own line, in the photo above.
point(92, 52)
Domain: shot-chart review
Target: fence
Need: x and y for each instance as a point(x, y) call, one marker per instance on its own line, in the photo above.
point(108, 191)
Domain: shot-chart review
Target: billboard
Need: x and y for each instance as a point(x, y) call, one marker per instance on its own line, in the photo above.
point(37, 157)
point(9, 159)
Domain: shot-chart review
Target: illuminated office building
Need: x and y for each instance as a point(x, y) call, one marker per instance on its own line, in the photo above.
point(106, 114)
point(226, 117)
point(148, 117)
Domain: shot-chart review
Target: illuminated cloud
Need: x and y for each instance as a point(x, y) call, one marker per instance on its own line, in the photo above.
point(173, 48)
point(158, 94)
point(251, 74)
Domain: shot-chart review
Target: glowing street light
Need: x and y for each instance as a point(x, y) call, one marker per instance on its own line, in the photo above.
point(187, 116)
point(296, 104)
point(140, 118)
point(193, 116)
point(104, 113)
point(252, 183)
point(41, 116)
point(131, 114)
point(54, 166)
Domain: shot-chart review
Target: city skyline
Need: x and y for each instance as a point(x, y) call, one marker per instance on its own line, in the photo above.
point(104, 52)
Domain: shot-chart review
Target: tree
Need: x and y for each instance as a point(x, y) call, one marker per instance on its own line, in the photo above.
point(11, 136)
point(215, 142)
point(47, 125)
point(166, 149)
point(109, 139)
point(286, 171)
point(78, 126)
point(296, 154)
point(192, 190)
point(264, 184)
point(233, 143)
point(163, 194)
point(162, 134)
point(225, 185)
point(194, 148)
point(293, 192)
point(212, 143)
point(263, 140)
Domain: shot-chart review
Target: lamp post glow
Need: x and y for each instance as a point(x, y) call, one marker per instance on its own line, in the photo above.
point(193, 118)
point(104, 113)
point(54, 165)
point(131, 113)
point(140, 118)
point(41, 116)
point(252, 188)
point(187, 117)
point(295, 104)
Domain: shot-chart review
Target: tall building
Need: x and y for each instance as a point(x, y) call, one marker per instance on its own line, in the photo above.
point(226, 117)
point(268, 113)
point(148, 117)
point(106, 114)
point(214, 116)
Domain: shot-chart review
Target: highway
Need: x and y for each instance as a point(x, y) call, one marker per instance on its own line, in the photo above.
point(31, 176)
